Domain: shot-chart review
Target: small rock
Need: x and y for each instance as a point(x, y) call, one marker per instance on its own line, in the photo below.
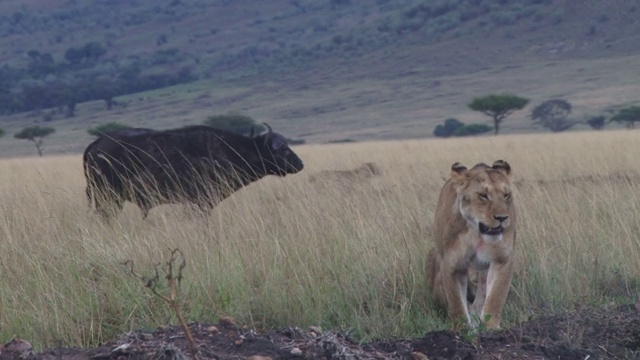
point(227, 320)
point(315, 330)
point(121, 348)
point(259, 357)
point(416, 355)
point(296, 351)
point(240, 340)
point(16, 348)
point(212, 329)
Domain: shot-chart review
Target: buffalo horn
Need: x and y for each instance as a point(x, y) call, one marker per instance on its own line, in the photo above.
point(269, 128)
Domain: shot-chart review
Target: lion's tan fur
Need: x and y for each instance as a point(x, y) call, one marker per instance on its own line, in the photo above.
point(470, 197)
point(361, 173)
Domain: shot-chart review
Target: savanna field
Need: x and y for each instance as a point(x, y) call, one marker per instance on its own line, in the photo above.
point(340, 253)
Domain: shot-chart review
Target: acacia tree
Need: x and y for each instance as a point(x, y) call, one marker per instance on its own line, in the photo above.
point(552, 114)
point(628, 115)
point(36, 134)
point(498, 107)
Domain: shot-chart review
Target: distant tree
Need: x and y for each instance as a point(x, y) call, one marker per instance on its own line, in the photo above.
point(628, 115)
point(93, 50)
point(40, 64)
point(38, 95)
point(67, 94)
point(74, 55)
point(161, 39)
point(597, 122)
point(71, 108)
point(1, 132)
point(10, 103)
point(552, 114)
point(237, 123)
point(34, 95)
point(498, 107)
point(472, 129)
point(36, 134)
point(106, 90)
point(33, 54)
point(445, 130)
point(106, 128)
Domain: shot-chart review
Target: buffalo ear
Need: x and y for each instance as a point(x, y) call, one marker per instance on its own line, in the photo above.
point(502, 167)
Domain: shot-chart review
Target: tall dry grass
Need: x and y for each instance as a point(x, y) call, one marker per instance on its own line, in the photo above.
point(338, 254)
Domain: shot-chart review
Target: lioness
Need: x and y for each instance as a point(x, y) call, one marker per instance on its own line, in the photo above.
point(474, 230)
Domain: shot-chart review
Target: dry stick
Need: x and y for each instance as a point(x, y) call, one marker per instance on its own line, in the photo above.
point(171, 299)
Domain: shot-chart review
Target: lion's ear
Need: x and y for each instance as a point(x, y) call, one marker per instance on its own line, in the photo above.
point(458, 171)
point(503, 167)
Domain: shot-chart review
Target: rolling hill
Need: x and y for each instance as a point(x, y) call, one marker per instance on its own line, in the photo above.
point(333, 70)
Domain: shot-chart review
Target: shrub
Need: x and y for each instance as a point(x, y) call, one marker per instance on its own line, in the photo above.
point(447, 129)
point(472, 129)
point(597, 122)
point(236, 123)
point(107, 128)
point(629, 115)
point(341, 141)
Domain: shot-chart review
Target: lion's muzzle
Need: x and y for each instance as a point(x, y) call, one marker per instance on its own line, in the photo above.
point(498, 230)
point(485, 230)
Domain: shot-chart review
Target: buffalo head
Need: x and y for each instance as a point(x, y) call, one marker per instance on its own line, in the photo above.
point(277, 157)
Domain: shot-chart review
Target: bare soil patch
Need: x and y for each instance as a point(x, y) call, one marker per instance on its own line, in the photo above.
point(595, 333)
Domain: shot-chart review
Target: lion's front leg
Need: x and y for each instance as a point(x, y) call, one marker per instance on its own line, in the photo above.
point(498, 282)
point(454, 285)
point(481, 294)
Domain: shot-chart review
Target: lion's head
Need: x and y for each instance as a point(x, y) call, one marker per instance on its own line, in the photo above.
point(484, 197)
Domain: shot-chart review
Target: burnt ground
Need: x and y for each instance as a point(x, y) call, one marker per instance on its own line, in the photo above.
point(602, 333)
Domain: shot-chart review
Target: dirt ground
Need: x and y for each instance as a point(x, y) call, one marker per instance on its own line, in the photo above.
point(602, 333)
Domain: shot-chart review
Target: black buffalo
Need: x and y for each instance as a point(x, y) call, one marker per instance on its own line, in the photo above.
point(196, 164)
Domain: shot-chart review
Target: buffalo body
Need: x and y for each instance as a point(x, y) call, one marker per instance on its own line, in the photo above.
point(196, 164)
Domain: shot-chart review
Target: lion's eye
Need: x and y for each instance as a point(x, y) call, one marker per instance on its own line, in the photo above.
point(507, 196)
point(483, 196)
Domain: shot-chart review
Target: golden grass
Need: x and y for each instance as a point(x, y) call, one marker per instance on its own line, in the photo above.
point(286, 251)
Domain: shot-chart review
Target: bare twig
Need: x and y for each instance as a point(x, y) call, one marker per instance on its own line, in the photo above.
point(174, 278)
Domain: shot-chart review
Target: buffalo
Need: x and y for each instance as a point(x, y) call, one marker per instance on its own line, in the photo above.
point(198, 164)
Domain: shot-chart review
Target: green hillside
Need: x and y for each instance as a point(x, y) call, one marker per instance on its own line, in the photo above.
point(317, 70)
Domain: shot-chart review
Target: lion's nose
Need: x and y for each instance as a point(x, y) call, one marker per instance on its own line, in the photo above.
point(501, 218)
